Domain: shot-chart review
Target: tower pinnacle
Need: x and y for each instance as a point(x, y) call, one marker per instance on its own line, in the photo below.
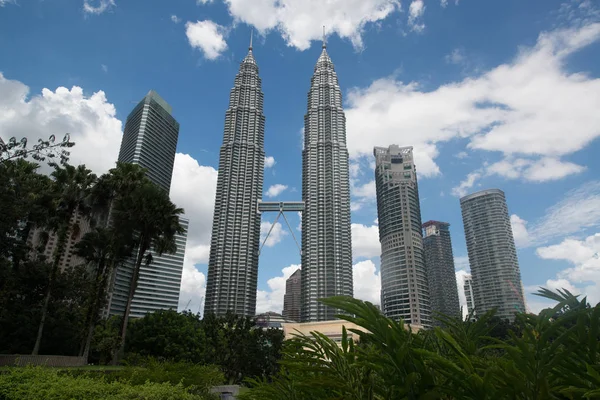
point(251, 34)
point(324, 41)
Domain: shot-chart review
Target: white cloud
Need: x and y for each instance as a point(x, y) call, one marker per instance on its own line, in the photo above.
point(193, 282)
point(444, 3)
point(465, 186)
point(175, 19)
point(519, 110)
point(277, 233)
point(367, 282)
point(104, 67)
point(577, 211)
point(273, 300)
point(188, 178)
point(457, 56)
point(91, 121)
point(365, 241)
point(275, 190)
point(365, 191)
point(461, 262)
point(461, 155)
point(415, 15)
point(203, 1)
point(5, 2)
point(519, 230)
point(584, 275)
point(208, 37)
point(301, 21)
point(269, 161)
point(299, 227)
point(97, 6)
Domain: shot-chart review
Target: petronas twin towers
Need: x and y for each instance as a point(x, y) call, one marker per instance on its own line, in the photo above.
point(326, 229)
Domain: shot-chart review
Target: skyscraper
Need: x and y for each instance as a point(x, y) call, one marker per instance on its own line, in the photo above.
point(404, 285)
point(439, 261)
point(292, 298)
point(468, 289)
point(492, 253)
point(150, 140)
point(233, 262)
point(326, 234)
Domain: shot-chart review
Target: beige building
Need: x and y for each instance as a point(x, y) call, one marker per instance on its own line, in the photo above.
point(79, 226)
point(331, 329)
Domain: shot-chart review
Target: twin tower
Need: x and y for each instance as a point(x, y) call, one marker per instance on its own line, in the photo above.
point(326, 230)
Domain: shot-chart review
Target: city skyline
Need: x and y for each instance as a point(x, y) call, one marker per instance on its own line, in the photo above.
point(467, 85)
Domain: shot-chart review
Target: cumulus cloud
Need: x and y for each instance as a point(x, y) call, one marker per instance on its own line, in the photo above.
point(367, 282)
point(584, 274)
point(193, 282)
point(276, 190)
point(461, 263)
point(519, 229)
point(301, 21)
point(97, 6)
point(90, 119)
point(519, 110)
point(277, 233)
point(175, 19)
point(415, 16)
point(208, 37)
point(272, 300)
point(269, 161)
point(365, 241)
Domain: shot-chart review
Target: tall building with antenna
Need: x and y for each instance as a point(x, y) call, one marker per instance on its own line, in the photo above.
point(326, 235)
point(233, 262)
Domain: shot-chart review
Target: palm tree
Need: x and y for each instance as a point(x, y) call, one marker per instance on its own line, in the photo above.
point(102, 248)
point(72, 187)
point(150, 216)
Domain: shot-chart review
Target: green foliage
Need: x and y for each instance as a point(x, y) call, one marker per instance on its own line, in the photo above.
point(196, 378)
point(46, 383)
point(233, 343)
point(554, 355)
point(168, 334)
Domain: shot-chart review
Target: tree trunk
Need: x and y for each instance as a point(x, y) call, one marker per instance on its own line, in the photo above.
point(95, 307)
point(132, 287)
point(60, 246)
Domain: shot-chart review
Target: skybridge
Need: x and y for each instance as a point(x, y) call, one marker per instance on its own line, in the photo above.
point(280, 207)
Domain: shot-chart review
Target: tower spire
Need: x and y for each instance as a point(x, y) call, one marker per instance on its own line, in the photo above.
point(251, 34)
point(324, 41)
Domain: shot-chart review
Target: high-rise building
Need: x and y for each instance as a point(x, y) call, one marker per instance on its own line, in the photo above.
point(326, 235)
point(79, 226)
point(158, 284)
point(404, 285)
point(292, 298)
point(233, 261)
point(492, 254)
point(439, 261)
point(468, 289)
point(150, 140)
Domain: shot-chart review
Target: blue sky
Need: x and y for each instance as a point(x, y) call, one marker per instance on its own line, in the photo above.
point(499, 94)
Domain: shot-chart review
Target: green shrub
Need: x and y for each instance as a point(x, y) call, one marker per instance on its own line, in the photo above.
point(198, 379)
point(45, 383)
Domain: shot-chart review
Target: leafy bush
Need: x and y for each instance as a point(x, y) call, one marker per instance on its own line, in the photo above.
point(45, 383)
point(197, 379)
point(553, 355)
